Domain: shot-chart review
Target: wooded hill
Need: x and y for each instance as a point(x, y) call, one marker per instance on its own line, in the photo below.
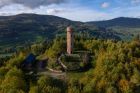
point(25, 29)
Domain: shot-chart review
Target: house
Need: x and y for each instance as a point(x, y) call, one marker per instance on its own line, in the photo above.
point(29, 62)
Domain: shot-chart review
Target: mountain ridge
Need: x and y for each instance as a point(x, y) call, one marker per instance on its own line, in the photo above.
point(120, 21)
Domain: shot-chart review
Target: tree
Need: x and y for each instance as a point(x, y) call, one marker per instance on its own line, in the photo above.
point(13, 81)
point(34, 89)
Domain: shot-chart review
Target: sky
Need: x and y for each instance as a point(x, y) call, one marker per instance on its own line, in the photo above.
point(77, 10)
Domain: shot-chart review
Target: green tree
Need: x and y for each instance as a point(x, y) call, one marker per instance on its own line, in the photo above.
point(13, 81)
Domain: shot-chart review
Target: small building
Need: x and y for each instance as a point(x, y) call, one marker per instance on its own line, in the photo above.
point(29, 62)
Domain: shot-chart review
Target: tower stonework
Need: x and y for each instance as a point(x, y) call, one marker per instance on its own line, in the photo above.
point(69, 40)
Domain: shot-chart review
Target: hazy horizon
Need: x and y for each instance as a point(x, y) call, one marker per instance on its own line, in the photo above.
point(71, 19)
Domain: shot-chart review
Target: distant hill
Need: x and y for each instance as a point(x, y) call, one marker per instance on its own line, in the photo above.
point(24, 29)
point(128, 28)
point(121, 21)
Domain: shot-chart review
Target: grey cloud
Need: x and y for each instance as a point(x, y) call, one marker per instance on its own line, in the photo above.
point(30, 3)
point(55, 11)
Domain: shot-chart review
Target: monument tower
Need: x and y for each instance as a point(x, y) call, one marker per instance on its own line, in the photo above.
point(69, 40)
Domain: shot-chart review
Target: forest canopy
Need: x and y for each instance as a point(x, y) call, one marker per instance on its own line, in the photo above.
point(114, 67)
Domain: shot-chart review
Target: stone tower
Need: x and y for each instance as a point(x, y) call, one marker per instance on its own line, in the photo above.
point(69, 40)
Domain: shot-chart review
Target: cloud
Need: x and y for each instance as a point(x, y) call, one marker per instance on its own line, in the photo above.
point(30, 3)
point(83, 14)
point(18, 9)
point(135, 1)
point(54, 11)
point(14, 9)
point(105, 5)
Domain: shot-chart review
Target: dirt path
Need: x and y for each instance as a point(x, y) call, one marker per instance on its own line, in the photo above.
point(59, 61)
point(53, 74)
